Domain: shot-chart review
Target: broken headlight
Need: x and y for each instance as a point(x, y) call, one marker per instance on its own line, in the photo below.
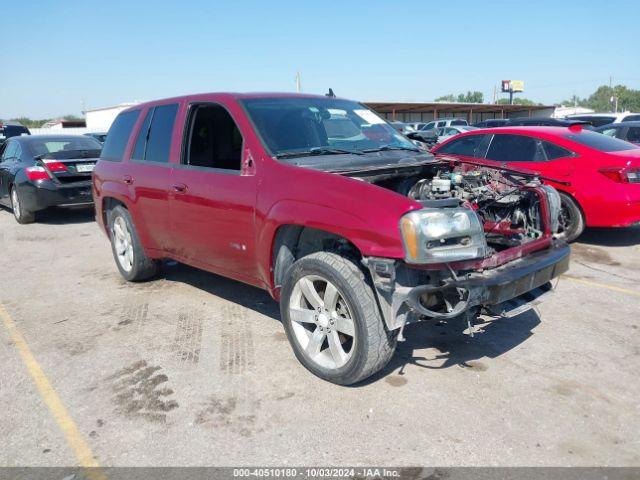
point(553, 199)
point(442, 235)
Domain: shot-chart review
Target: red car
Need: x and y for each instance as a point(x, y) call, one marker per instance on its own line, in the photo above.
point(598, 176)
point(322, 203)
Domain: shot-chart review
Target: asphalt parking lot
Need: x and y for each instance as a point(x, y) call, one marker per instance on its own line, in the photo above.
point(195, 369)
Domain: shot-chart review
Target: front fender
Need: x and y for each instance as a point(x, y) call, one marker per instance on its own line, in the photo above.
point(371, 241)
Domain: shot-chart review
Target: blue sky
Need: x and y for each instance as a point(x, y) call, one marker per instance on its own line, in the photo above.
point(60, 55)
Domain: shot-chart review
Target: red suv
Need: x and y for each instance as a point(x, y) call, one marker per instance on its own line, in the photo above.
point(321, 202)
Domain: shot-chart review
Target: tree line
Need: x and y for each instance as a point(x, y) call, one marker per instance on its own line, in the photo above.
point(602, 100)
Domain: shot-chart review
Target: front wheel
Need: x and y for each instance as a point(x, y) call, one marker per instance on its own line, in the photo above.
point(332, 319)
point(21, 214)
point(128, 253)
point(571, 221)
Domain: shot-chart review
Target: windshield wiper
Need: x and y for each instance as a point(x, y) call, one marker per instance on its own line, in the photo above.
point(318, 151)
point(391, 147)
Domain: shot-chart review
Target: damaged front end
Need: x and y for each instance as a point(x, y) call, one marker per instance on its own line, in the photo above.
point(482, 241)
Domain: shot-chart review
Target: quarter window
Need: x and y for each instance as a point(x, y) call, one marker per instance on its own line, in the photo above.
point(214, 139)
point(118, 135)
point(554, 151)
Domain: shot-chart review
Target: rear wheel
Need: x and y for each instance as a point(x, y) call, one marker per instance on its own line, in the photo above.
point(571, 219)
point(128, 253)
point(21, 214)
point(332, 319)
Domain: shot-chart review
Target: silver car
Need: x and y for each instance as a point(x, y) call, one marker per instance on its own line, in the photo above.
point(447, 132)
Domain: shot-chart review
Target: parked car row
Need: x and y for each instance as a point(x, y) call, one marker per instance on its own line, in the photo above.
point(12, 129)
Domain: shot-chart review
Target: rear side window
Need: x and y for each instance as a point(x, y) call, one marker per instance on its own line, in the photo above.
point(515, 148)
point(458, 122)
point(160, 131)
point(118, 136)
point(631, 118)
point(10, 151)
point(467, 146)
point(600, 142)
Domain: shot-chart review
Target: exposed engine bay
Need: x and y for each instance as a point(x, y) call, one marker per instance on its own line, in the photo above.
point(504, 200)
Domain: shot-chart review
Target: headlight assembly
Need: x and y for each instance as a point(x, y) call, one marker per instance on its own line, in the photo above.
point(442, 235)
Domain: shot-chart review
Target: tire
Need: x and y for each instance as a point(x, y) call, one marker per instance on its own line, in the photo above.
point(571, 219)
point(355, 342)
point(19, 213)
point(128, 253)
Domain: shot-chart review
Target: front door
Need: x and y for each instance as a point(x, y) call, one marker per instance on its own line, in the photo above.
point(212, 199)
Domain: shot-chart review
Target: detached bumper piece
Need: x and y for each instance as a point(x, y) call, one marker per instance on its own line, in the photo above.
point(506, 290)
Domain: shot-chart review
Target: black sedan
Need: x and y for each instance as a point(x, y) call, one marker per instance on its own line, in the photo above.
point(629, 131)
point(42, 171)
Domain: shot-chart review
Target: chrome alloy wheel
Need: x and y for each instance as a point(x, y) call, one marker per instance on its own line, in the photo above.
point(122, 243)
point(15, 203)
point(322, 322)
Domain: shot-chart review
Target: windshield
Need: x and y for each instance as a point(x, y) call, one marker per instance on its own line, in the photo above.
point(601, 142)
point(318, 126)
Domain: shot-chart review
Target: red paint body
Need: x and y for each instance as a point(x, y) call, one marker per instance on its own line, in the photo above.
point(227, 223)
point(604, 202)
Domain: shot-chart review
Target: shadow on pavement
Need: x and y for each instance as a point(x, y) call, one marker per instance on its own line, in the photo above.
point(455, 348)
point(62, 216)
point(247, 296)
point(611, 237)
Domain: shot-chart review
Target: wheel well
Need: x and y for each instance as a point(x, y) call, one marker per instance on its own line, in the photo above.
point(109, 203)
point(584, 217)
point(294, 241)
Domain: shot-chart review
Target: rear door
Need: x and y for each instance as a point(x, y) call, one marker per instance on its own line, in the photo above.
point(212, 201)
point(149, 174)
point(530, 153)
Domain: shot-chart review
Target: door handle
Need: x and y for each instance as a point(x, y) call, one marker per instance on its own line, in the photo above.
point(179, 188)
point(128, 179)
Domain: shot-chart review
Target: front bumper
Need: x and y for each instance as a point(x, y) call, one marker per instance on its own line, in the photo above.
point(47, 194)
point(399, 295)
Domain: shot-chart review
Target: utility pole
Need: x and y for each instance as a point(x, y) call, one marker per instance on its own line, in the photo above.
point(495, 94)
point(298, 83)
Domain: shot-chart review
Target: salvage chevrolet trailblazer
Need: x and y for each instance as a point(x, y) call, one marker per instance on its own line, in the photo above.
point(321, 202)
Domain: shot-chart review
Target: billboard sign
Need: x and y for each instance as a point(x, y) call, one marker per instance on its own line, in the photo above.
point(512, 86)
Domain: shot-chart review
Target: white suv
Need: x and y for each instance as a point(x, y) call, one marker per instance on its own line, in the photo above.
point(445, 122)
point(599, 119)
